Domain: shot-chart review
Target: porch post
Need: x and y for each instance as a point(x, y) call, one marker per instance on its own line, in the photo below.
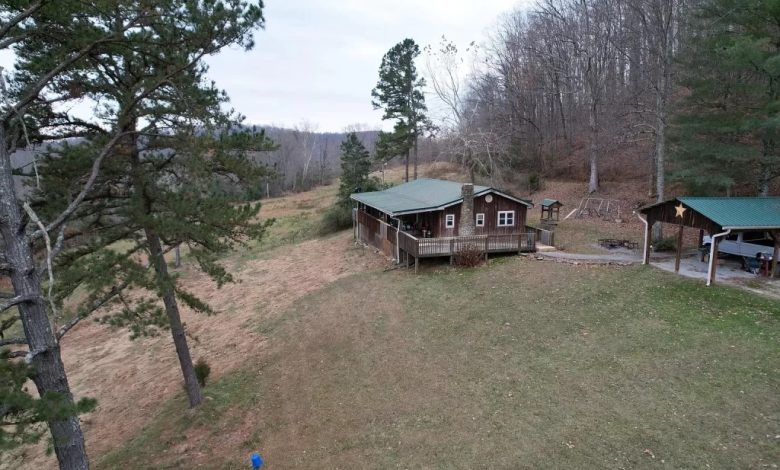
point(416, 264)
point(679, 249)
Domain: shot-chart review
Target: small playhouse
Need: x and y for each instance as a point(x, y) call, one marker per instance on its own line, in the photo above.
point(551, 210)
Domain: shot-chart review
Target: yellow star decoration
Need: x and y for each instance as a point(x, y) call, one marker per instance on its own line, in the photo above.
point(679, 209)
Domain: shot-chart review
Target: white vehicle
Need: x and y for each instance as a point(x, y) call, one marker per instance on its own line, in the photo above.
point(745, 244)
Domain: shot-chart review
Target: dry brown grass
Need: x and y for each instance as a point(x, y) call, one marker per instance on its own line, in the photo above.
point(132, 379)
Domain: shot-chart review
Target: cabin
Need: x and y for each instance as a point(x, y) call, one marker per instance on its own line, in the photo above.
point(433, 218)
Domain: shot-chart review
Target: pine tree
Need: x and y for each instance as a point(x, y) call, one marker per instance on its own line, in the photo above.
point(355, 167)
point(157, 188)
point(725, 134)
point(399, 93)
point(64, 57)
point(60, 41)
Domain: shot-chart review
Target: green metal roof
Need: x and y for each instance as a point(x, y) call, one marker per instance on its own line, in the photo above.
point(549, 202)
point(422, 195)
point(734, 212)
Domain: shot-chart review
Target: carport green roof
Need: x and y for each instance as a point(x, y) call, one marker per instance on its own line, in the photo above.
point(547, 202)
point(737, 212)
point(422, 195)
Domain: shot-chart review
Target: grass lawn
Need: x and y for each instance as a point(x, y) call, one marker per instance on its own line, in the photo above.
point(523, 364)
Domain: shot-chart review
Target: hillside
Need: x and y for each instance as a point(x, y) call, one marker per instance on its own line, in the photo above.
point(321, 357)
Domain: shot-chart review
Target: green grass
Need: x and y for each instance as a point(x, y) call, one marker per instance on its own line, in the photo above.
point(522, 364)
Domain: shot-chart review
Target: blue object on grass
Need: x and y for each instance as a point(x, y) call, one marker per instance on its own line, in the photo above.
point(257, 461)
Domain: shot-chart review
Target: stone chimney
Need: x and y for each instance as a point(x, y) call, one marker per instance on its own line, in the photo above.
point(466, 226)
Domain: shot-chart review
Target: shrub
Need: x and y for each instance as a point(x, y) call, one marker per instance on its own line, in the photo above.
point(202, 371)
point(469, 256)
point(338, 217)
point(534, 182)
point(665, 244)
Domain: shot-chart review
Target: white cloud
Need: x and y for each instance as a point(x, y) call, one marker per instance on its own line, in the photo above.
point(317, 60)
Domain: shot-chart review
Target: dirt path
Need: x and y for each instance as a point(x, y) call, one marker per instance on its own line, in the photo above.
point(131, 379)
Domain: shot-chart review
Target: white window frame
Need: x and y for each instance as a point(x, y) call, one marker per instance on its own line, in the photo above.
point(449, 221)
point(507, 215)
point(480, 220)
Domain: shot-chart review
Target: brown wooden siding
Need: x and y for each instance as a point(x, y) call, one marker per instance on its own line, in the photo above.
point(490, 210)
point(667, 213)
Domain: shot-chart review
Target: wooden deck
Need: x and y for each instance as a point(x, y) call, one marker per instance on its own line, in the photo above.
point(433, 247)
point(391, 242)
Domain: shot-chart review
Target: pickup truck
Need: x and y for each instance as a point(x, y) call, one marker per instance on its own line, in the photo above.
point(746, 245)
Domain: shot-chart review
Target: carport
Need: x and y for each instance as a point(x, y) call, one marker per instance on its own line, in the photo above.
point(716, 216)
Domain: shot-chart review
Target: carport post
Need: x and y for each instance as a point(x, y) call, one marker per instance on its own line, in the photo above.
point(679, 249)
point(713, 261)
point(775, 252)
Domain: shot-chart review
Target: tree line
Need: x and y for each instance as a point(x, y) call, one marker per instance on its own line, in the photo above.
point(581, 88)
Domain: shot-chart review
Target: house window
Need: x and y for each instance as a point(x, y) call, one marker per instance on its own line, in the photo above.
point(449, 221)
point(480, 220)
point(506, 218)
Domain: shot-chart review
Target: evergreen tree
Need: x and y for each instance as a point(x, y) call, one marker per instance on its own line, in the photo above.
point(156, 188)
point(355, 166)
point(725, 135)
point(393, 144)
point(399, 93)
point(109, 47)
point(59, 41)
point(20, 412)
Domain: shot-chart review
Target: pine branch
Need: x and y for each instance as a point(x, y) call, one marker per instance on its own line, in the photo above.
point(13, 342)
point(116, 290)
point(23, 15)
point(63, 217)
point(14, 354)
point(8, 323)
point(13, 301)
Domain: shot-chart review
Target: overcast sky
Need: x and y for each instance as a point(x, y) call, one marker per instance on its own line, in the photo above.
point(318, 60)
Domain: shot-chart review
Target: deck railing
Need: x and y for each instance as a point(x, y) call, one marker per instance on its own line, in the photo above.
point(545, 237)
point(446, 246)
point(381, 235)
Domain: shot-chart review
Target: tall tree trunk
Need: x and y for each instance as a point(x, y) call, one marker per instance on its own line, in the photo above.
point(651, 189)
point(174, 319)
point(406, 177)
point(660, 157)
point(767, 169)
point(660, 126)
point(415, 157)
point(593, 182)
point(165, 282)
point(48, 370)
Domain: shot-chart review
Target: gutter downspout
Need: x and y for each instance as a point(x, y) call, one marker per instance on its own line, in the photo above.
point(712, 253)
point(646, 248)
point(397, 247)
